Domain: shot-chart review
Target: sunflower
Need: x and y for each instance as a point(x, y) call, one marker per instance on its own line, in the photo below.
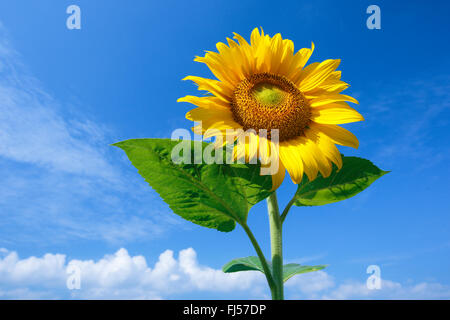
point(264, 85)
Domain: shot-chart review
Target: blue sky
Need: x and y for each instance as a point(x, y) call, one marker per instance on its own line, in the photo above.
point(66, 196)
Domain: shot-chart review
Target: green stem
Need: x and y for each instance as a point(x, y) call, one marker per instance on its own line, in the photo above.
point(261, 257)
point(276, 245)
point(286, 210)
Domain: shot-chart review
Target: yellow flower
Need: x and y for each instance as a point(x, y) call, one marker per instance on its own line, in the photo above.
point(265, 85)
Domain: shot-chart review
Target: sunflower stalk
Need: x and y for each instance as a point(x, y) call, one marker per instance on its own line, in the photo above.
point(276, 242)
point(267, 273)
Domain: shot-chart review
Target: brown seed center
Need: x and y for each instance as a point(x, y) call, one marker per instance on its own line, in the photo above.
point(268, 101)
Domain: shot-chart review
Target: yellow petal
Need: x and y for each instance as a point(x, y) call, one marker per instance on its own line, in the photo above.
point(326, 147)
point(262, 54)
point(278, 177)
point(331, 85)
point(231, 58)
point(276, 53)
point(212, 119)
point(247, 55)
point(324, 90)
point(213, 86)
point(335, 114)
point(331, 98)
point(210, 102)
point(298, 62)
point(337, 134)
point(302, 73)
point(200, 114)
point(292, 159)
point(220, 69)
point(241, 40)
point(310, 165)
point(323, 163)
point(208, 130)
point(247, 146)
point(265, 149)
point(255, 37)
point(269, 152)
point(334, 76)
point(317, 75)
point(287, 57)
point(334, 87)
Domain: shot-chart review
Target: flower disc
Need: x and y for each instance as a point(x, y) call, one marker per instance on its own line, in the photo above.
point(268, 101)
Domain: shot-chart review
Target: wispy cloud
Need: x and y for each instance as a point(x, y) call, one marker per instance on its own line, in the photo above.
point(410, 117)
point(307, 259)
point(60, 178)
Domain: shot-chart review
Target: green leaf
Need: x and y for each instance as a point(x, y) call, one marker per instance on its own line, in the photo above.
point(254, 264)
point(355, 175)
point(211, 195)
point(243, 264)
point(292, 269)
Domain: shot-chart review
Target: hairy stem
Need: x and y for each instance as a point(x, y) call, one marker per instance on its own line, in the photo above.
point(261, 257)
point(276, 245)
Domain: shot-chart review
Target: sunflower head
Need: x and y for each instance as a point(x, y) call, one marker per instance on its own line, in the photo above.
point(263, 86)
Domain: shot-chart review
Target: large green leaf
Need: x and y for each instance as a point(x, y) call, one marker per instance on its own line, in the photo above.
point(254, 264)
point(292, 269)
point(355, 175)
point(211, 195)
point(243, 264)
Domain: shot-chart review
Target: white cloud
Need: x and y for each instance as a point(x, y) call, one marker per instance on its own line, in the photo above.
point(311, 284)
point(390, 290)
point(120, 276)
point(31, 270)
point(123, 276)
point(320, 285)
